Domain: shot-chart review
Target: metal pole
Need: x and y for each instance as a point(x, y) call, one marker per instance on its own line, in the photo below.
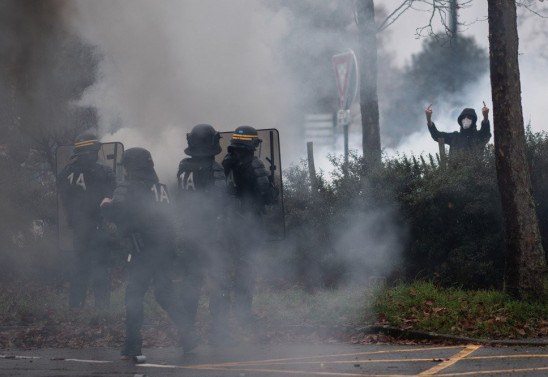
point(311, 166)
point(346, 144)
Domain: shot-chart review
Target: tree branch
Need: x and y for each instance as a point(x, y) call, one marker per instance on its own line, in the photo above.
point(396, 13)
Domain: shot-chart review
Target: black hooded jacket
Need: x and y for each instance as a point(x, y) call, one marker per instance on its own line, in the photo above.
point(468, 141)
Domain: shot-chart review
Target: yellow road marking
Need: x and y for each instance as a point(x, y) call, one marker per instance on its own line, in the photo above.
point(287, 372)
point(342, 362)
point(260, 366)
point(454, 359)
point(506, 357)
point(400, 360)
point(309, 373)
point(496, 371)
point(270, 361)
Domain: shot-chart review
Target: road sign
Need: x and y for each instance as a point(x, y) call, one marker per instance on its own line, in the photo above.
point(346, 74)
point(343, 118)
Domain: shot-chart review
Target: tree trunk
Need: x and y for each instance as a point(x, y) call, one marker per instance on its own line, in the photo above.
point(453, 19)
point(525, 262)
point(369, 103)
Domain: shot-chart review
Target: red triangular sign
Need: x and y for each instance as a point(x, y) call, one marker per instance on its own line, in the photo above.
point(343, 64)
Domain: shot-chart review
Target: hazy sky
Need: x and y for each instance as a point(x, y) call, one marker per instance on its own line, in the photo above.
point(171, 64)
point(405, 41)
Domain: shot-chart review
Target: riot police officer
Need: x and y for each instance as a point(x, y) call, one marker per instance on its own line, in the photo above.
point(201, 202)
point(141, 209)
point(82, 185)
point(249, 186)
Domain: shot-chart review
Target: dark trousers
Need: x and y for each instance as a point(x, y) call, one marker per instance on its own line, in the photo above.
point(246, 237)
point(145, 271)
point(205, 263)
point(91, 266)
point(243, 284)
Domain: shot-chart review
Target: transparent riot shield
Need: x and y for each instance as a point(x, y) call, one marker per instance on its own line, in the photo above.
point(109, 155)
point(269, 153)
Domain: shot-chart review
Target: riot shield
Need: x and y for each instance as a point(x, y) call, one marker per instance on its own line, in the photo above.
point(269, 153)
point(110, 155)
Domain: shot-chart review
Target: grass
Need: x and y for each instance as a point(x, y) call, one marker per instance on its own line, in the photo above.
point(295, 306)
point(419, 306)
point(484, 314)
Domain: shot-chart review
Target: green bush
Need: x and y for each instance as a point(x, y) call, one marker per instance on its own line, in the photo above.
point(454, 219)
point(446, 223)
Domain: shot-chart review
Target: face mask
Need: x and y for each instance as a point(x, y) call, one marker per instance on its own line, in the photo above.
point(466, 123)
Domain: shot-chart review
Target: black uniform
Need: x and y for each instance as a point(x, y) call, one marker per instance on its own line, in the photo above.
point(82, 185)
point(201, 203)
point(251, 190)
point(141, 209)
point(466, 141)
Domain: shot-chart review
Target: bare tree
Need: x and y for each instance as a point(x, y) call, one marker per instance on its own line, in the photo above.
point(525, 262)
point(369, 103)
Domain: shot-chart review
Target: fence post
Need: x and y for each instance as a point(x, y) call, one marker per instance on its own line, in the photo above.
point(311, 166)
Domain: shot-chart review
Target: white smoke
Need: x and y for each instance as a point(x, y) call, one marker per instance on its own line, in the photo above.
point(169, 65)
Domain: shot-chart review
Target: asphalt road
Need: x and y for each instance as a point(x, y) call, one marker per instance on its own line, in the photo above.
point(284, 360)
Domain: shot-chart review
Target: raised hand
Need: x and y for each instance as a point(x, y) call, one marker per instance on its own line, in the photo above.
point(485, 111)
point(428, 113)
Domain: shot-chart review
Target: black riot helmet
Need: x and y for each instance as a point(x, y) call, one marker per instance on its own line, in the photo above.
point(203, 140)
point(138, 164)
point(86, 144)
point(245, 137)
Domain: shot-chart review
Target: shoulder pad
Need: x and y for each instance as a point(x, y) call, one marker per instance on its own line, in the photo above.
point(183, 165)
point(120, 192)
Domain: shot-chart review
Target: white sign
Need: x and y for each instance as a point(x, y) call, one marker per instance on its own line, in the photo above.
point(343, 118)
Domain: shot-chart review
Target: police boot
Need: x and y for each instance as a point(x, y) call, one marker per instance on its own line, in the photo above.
point(132, 348)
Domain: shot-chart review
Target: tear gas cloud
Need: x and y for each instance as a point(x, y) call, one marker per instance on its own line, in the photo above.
point(168, 65)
